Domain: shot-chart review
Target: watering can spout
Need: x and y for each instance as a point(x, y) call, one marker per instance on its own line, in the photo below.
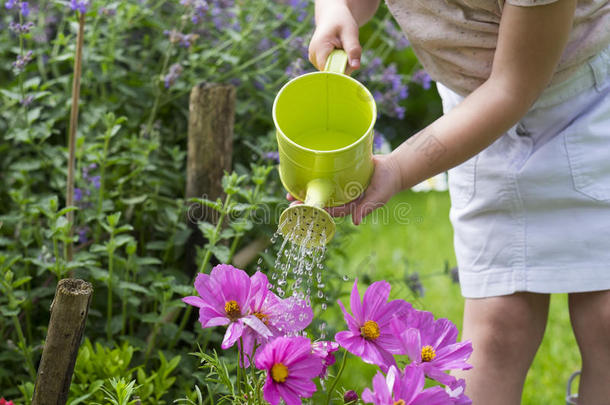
point(308, 223)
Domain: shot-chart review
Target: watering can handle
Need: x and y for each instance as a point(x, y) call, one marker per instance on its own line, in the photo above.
point(336, 61)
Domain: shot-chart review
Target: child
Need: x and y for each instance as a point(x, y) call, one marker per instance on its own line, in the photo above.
point(526, 139)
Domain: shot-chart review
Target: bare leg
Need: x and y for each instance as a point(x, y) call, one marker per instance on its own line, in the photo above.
point(505, 333)
point(590, 316)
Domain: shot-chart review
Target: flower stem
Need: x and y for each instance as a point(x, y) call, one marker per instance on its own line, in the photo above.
point(153, 112)
point(73, 126)
point(26, 122)
point(100, 198)
point(24, 348)
point(240, 362)
point(109, 310)
point(332, 387)
point(257, 392)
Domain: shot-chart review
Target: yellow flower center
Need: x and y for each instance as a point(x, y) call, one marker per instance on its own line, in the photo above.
point(370, 330)
point(279, 372)
point(232, 309)
point(263, 317)
point(427, 353)
point(400, 402)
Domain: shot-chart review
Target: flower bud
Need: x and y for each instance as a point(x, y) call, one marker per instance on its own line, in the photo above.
point(350, 397)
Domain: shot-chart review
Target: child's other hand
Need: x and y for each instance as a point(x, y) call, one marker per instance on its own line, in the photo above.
point(336, 27)
point(386, 182)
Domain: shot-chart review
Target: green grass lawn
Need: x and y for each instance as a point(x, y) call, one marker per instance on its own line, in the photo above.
point(414, 235)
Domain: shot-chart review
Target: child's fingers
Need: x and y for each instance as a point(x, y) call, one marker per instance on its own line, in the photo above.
point(321, 54)
point(342, 210)
point(290, 197)
point(351, 45)
point(368, 204)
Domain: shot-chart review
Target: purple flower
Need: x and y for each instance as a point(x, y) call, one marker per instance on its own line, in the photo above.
point(324, 350)
point(10, 4)
point(285, 32)
point(370, 336)
point(422, 78)
point(27, 100)
point(22, 61)
point(184, 40)
point(281, 317)
point(21, 28)
point(301, 7)
point(290, 367)
point(25, 9)
point(224, 299)
point(296, 68)
point(389, 86)
point(79, 5)
point(273, 155)
point(380, 143)
point(175, 70)
point(264, 44)
point(78, 194)
point(455, 275)
point(199, 11)
point(110, 12)
point(405, 388)
point(396, 35)
point(415, 285)
point(432, 345)
point(456, 391)
point(350, 397)
point(82, 234)
point(95, 180)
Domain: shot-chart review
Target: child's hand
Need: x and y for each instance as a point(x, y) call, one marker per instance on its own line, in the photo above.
point(386, 182)
point(336, 27)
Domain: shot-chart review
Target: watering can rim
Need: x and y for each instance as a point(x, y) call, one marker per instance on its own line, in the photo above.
point(324, 152)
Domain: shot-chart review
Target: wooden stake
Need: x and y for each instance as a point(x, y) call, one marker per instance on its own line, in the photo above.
point(69, 311)
point(72, 129)
point(210, 146)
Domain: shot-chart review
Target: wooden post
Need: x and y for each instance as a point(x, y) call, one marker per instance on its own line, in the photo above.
point(210, 146)
point(69, 311)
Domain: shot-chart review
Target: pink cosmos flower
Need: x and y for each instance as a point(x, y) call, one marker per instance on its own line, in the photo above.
point(370, 336)
point(280, 316)
point(456, 391)
point(224, 298)
point(290, 366)
point(405, 389)
point(432, 345)
point(324, 350)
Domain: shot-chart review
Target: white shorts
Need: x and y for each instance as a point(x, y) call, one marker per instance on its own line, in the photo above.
point(532, 211)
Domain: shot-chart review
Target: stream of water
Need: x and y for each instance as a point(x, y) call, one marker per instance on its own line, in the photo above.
point(298, 269)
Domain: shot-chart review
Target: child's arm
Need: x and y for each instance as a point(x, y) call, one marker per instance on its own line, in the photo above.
point(530, 43)
point(337, 24)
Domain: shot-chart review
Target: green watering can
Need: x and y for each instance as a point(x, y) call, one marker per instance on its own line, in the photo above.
point(324, 122)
